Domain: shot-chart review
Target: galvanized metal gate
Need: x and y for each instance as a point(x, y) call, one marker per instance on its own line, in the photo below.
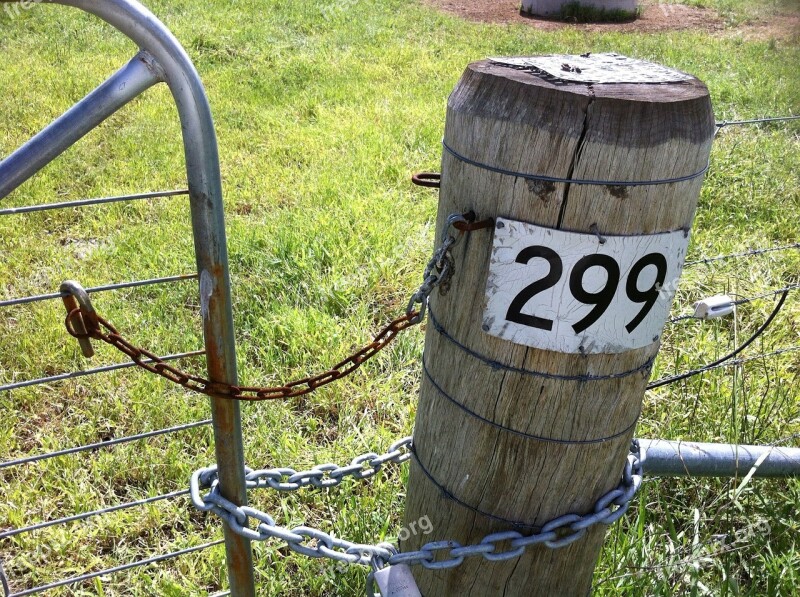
point(161, 59)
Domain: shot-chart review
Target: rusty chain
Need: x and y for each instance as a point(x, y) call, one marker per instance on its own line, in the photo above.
point(151, 362)
point(83, 323)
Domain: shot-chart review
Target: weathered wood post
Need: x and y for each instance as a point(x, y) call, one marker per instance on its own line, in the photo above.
point(537, 357)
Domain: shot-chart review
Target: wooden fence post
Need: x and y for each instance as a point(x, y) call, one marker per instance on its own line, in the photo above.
point(532, 386)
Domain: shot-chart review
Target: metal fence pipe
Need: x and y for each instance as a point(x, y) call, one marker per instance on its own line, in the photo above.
point(131, 80)
point(691, 459)
point(208, 226)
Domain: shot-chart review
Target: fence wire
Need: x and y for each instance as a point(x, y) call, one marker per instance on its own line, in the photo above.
point(766, 119)
point(750, 253)
point(145, 562)
point(728, 357)
point(729, 363)
point(729, 360)
point(106, 444)
point(9, 211)
point(95, 371)
point(108, 287)
point(8, 387)
point(741, 301)
point(87, 515)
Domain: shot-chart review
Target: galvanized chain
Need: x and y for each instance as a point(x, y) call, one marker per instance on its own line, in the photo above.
point(83, 322)
point(439, 270)
point(436, 555)
point(298, 539)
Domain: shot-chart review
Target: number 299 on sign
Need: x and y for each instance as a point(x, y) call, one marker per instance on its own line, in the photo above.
point(575, 292)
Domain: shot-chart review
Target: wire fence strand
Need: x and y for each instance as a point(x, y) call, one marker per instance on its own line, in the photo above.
point(107, 444)
point(92, 513)
point(730, 363)
point(96, 201)
point(741, 301)
point(105, 369)
point(749, 253)
point(119, 286)
point(767, 294)
point(728, 357)
point(725, 123)
point(84, 577)
point(4, 581)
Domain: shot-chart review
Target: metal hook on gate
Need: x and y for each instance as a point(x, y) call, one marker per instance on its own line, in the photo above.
point(81, 318)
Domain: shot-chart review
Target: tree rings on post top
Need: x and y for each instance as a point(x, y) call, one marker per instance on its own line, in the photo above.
point(549, 120)
point(592, 68)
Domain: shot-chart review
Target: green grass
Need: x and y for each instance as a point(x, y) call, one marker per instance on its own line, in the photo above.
point(737, 12)
point(322, 115)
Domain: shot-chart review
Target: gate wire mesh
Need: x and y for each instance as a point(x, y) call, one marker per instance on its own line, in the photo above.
point(99, 435)
point(38, 463)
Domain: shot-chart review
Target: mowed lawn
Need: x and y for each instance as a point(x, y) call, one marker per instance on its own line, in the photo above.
point(323, 111)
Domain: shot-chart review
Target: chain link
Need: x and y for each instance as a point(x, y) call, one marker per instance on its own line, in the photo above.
point(304, 540)
point(437, 555)
point(328, 475)
point(437, 274)
point(439, 270)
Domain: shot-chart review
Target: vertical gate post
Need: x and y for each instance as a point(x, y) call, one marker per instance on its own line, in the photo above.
point(211, 253)
point(532, 382)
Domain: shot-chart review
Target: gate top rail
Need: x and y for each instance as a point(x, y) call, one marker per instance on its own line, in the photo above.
point(167, 56)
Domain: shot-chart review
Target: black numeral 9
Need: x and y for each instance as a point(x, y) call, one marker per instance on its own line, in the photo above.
point(649, 296)
point(601, 299)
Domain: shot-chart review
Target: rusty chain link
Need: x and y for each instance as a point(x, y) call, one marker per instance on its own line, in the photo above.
point(151, 362)
point(83, 323)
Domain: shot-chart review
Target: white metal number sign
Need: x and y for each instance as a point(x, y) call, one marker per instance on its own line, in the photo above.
point(570, 292)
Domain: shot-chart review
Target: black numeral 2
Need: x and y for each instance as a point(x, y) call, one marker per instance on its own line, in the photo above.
point(515, 313)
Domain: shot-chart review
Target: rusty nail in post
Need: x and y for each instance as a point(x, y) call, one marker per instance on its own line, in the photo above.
point(76, 298)
point(468, 224)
